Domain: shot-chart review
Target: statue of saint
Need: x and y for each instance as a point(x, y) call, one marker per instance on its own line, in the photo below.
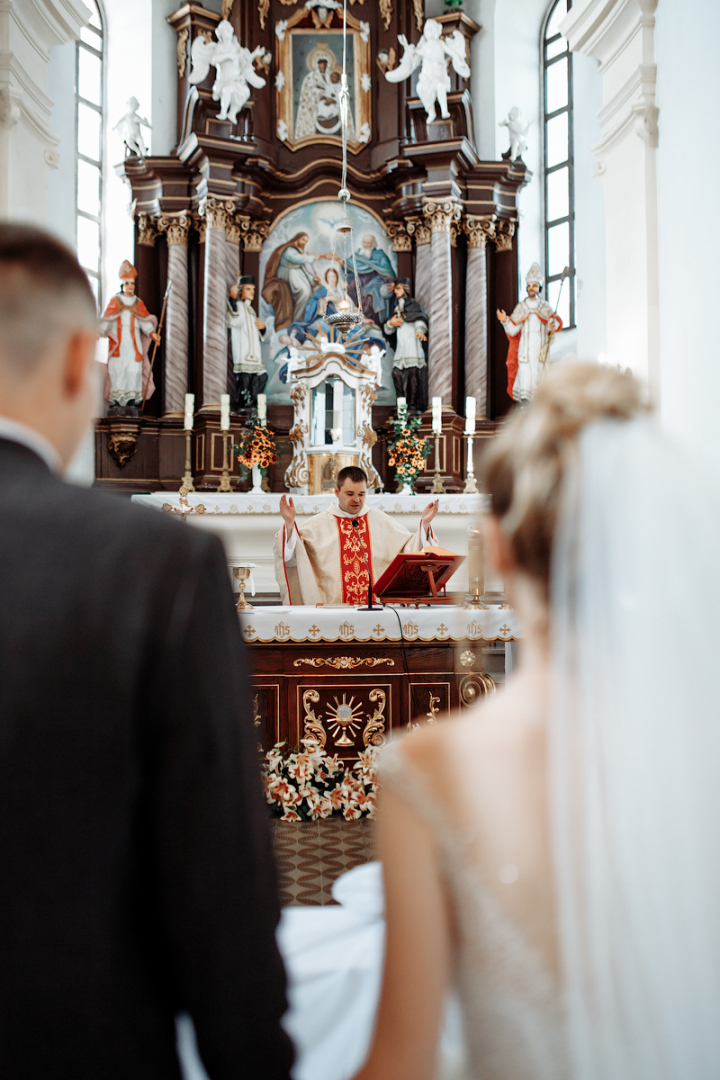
point(431, 54)
point(130, 327)
point(407, 330)
point(530, 330)
point(245, 331)
point(233, 68)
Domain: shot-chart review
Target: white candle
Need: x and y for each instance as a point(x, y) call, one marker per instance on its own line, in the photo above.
point(189, 411)
point(262, 409)
point(401, 406)
point(470, 404)
point(224, 412)
point(437, 415)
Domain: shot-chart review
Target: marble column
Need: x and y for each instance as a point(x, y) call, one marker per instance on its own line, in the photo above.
point(176, 334)
point(478, 230)
point(423, 266)
point(215, 364)
point(440, 215)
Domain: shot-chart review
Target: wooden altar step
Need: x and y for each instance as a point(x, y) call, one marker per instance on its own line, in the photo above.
point(312, 854)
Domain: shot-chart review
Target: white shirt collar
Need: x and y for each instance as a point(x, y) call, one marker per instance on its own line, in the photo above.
point(20, 433)
point(343, 513)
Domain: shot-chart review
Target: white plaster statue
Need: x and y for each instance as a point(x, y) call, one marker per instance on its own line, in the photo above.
point(128, 127)
point(530, 330)
point(246, 332)
point(517, 132)
point(432, 52)
point(233, 66)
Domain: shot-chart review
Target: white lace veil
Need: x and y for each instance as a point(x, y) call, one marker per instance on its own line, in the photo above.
point(635, 756)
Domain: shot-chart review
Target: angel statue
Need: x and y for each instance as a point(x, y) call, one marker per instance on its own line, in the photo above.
point(234, 69)
point(517, 132)
point(128, 128)
point(432, 51)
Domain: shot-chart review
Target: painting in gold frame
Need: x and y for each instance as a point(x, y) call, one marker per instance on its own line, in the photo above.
point(309, 66)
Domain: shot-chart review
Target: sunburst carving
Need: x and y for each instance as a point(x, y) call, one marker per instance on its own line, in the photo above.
point(344, 719)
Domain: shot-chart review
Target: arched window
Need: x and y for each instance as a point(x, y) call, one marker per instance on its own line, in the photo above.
point(89, 85)
point(558, 143)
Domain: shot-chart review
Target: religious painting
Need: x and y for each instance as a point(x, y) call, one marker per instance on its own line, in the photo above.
point(307, 267)
point(309, 57)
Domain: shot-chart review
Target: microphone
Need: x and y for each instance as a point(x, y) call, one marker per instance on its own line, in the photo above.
point(356, 526)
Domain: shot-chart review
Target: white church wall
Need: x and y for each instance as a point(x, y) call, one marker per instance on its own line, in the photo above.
point(62, 179)
point(688, 88)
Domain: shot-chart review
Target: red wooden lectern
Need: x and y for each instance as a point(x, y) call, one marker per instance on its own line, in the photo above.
point(416, 577)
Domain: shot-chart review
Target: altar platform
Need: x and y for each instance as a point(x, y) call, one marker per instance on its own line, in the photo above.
point(349, 678)
point(247, 524)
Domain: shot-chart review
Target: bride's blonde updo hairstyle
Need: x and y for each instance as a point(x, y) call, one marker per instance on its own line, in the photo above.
point(524, 466)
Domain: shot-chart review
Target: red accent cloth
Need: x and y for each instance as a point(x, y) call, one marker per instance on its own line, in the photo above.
point(353, 574)
point(512, 362)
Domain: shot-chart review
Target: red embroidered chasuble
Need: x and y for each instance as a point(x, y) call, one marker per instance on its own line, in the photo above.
point(353, 574)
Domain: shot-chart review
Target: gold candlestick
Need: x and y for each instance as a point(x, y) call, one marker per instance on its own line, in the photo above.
point(470, 484)
point(476, 569)
point(437, 488)
point(225, 482)
point(242, 573)
point(187, 481)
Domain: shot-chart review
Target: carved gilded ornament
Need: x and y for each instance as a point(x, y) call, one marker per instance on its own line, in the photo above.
point(474, 686)
point(182, 51)
point(402, 240)
point(374, 733)
point(479, 229)
point(312, 724)
point(216, 211)
point(147, 230)
point(433, 707)
point(386, 13)
point(263, 8)
point(419, 8)
point(227, 8)
point(122, 440)
point(253, 234)
point(441, 213)
point(417, 228)
point(344, 663)
point(176, 227)
point(233, 229)
point(504, 232)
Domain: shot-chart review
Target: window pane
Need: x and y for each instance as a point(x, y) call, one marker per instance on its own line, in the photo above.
point(558, 194)
point(553, 25)
point(88, 132)
point(558, 248)
point(89, 76)
point(92, 37)
point(556, 81)
point(95, 15)
point(563, 308)
point(88, 237)
point(556, 140)
point(88, 188)
point(559, 45)
point(95, 286)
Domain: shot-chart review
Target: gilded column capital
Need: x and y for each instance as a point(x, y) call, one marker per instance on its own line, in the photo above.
point(441, 213)
point(147, 230)
point(216, 211)
point(233, 228)
point(199, 223)
point(400, 235)
point(479, 229)
point(419, 230)
point(503, 238)
point(176, 227)
point(254, 233)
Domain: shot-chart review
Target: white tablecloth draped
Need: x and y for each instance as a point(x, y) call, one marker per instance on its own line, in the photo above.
point(269, 502)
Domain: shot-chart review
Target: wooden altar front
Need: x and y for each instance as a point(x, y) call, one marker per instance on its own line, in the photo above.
point(350, 677)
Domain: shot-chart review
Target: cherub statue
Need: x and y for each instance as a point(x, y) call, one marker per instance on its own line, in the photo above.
point(233, 66)
point(432, 51)
point(517, 132)
point(128, 127)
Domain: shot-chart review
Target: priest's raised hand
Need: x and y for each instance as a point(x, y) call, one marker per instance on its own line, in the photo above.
point(287, 509)
point(429, 513)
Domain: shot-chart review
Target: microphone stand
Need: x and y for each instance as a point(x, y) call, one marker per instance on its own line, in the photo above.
point(370, 605)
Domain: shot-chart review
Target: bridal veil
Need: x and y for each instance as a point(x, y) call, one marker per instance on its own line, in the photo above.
point(635, 756)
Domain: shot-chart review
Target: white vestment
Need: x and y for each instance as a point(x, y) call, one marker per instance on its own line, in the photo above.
point(409, 350)
point(296, 269)
point(245, 338)
point(534, 344)
point(126, 372)
point(308, 564)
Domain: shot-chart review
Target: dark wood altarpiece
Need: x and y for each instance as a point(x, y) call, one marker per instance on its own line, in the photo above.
point(423, 184)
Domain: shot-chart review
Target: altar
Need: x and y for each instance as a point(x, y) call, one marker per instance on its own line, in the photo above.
point(349, 678)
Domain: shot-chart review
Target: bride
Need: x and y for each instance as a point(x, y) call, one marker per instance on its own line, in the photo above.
point(554, 856)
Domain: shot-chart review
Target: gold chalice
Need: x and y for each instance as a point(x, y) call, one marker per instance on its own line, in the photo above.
point(242, 573)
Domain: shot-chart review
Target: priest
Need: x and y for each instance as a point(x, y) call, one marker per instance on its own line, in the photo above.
point(324, 562)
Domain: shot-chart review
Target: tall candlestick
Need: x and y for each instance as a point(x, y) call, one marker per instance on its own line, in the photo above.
point(262, 409)
point(401, 406)
point(189, 411)
point(224, 412)
point(470, 405)
point(437, 415)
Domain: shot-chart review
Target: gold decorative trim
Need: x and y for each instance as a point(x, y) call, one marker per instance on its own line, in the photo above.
point(312, 725)
point(479, 229)
point(419, 8)
point(147, 230)
point(467, 659)
point(474, 686)
point(343, 662)
point(176, 227)
point(374, 733)
point(182, 50)
point(401, 238)
point(504, 232)
point(263, 8)
point(386, 13)
point(441, 213)
point(433, 706)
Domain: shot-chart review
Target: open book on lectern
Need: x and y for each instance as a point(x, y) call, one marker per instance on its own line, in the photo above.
point(416, 577)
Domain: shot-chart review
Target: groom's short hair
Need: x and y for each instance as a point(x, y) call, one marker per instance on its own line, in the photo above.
point(45, 297)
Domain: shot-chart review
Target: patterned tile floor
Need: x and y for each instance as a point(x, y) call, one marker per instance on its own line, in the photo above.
point(312, 854)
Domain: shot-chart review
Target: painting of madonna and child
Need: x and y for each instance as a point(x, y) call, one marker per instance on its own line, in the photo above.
point(306, 270)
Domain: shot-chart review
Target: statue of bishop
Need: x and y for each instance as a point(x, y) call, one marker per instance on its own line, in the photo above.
point(130, 327)
point(530, 330)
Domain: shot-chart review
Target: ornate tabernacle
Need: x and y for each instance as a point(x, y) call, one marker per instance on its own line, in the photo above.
point(251, 188)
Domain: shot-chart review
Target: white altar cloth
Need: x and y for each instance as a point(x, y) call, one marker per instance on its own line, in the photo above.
point(238, 503)
point(442, 622)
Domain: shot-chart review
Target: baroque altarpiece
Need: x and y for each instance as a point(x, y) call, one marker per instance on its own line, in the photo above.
point(254, 194)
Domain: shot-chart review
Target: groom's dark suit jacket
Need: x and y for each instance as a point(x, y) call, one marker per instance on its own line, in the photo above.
point(136, 872)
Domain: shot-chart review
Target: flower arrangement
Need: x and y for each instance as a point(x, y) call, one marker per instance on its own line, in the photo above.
point(309, 784)
point(256, 446)
point(407, 451)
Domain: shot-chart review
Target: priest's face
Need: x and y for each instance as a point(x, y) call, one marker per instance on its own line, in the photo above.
point(351, 496)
